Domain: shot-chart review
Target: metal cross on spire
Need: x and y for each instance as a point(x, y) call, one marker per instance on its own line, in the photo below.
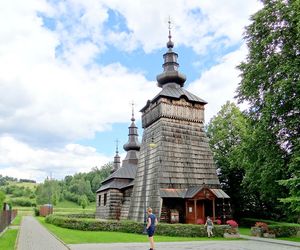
point(117, 146)
point(169, 22)
point(132, 113)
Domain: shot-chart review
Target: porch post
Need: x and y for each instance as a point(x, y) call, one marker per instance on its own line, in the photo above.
point(214, 209)
point(186, 211)
point(203, 211)
point(195, 207)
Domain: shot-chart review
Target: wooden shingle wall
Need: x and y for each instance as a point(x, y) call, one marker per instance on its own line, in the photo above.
point(174, 154)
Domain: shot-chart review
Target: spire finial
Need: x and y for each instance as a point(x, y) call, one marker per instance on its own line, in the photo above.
point(117, 146)
point(132, 112)
point(170, 36)
point(170, 44)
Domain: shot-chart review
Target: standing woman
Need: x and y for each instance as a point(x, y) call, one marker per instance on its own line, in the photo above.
point(152, 222)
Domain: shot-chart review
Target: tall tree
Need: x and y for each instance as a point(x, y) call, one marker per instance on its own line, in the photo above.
point(227, 133)
point(271, 86)
point(2, 199)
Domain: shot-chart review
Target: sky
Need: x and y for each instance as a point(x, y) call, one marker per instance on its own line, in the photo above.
point(69, 71)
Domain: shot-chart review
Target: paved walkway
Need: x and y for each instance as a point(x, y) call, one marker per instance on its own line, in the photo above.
point(33, 236)
point(201, 245)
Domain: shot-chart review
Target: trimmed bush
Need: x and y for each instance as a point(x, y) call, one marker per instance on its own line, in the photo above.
point(82, 215)
point(22, 202)
point(126, 226)
point(284, 230)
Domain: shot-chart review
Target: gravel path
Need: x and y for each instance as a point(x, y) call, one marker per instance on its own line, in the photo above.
point(33, 236)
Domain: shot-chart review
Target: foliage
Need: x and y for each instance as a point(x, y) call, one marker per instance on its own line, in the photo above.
point(228, 132)
point(249, 222)
point(83, 201)
point(284, 230)
point(71, 236)
point(79, 188)
point(23, 202)
point(18, 191)
point(48, 192)
point(271, 86)
point(232, 223)
point(36, 211)
point(2, 199)
point(5, 179)
point(27, 180)
point(131, 226)
point(263, 226)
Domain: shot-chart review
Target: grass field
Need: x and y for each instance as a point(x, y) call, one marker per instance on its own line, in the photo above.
point(245, 231)
point(30, 185)
point(8, 239)
point(71, 236)
point(72, 207)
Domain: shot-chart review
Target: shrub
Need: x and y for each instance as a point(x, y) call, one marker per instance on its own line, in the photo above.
point(36, 211)
point(22, 202)
point(232, 223)
point(263, 226)
point(284, 230)
point(127, 226)
point(218, 222)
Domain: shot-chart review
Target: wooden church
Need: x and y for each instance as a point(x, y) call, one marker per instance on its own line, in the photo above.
point(173, 172)
point(114, 195)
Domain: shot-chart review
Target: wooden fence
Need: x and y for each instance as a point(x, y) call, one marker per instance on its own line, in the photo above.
point(6, 218)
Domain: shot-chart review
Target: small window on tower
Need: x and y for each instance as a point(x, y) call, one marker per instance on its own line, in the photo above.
point(105, 197)
point(99, 200)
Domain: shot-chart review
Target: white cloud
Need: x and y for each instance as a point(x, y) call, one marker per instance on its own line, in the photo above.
point(23, 161)
point(218, 84)
point(197, 24)
point(52, 92)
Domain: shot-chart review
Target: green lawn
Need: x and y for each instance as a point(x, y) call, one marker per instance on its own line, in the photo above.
point(8, 239)
point(24, 210)
point(70, 236)
point(295, 239)
point(244, 231)
point(17, 220)
point(72, 207)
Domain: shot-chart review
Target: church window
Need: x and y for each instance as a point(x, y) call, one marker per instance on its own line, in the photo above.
point(105, 198)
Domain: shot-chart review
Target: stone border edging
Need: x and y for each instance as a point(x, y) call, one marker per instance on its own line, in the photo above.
point(281, 242)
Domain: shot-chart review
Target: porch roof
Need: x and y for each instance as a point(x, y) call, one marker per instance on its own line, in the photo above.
point(190, 192)
point(219, 193)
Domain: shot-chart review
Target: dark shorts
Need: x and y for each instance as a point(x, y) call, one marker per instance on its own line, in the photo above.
point(150, 232)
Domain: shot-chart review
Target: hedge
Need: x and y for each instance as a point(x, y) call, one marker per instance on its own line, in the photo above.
point(280, 229)
point(127, 226)
point(284, 230)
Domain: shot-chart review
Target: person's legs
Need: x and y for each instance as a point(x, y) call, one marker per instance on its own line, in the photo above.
point(209, 231)
point(151, 240)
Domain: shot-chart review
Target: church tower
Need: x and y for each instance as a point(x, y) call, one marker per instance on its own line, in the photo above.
point(176, 172)
point(114, 195)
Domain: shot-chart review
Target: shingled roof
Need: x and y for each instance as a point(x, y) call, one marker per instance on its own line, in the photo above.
point(175, 93)
point(125, 172)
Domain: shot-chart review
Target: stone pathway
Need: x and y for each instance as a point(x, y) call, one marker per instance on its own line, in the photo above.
point(33, 236)
point(201, 245)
